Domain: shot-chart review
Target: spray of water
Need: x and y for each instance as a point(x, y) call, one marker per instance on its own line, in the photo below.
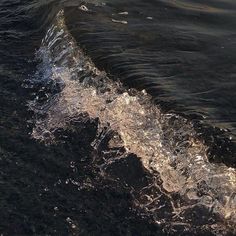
point(166, 144)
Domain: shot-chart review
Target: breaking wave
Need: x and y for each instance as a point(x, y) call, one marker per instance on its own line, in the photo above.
point(72, 88)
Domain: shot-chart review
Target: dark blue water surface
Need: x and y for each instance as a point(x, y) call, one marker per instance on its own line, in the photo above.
point(182, 53)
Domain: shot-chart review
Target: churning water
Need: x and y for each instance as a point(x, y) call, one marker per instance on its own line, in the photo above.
point(118, 118)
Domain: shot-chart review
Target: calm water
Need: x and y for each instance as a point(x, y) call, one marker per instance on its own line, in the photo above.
point(117, 117)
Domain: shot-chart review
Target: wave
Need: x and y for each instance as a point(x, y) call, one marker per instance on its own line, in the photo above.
point(167, 144)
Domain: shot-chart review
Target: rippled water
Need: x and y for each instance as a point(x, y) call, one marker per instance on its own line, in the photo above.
point(182, 52)
point(117, 118)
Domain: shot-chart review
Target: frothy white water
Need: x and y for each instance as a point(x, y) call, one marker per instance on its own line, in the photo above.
point(167, 144)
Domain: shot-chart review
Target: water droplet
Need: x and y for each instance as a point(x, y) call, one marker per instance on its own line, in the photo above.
point(83, 8)
point(123, 13)
point(119, 21)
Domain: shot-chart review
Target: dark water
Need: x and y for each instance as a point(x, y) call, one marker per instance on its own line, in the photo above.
point(83, 154)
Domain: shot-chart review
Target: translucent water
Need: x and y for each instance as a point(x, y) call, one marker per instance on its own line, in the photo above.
point(167, 144)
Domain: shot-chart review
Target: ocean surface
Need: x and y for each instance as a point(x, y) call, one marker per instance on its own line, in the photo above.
point(118, 117)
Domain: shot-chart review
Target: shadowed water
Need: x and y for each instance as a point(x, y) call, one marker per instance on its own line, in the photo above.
point(182, 52)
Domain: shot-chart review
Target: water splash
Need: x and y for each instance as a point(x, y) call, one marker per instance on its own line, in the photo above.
point(167, 144)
